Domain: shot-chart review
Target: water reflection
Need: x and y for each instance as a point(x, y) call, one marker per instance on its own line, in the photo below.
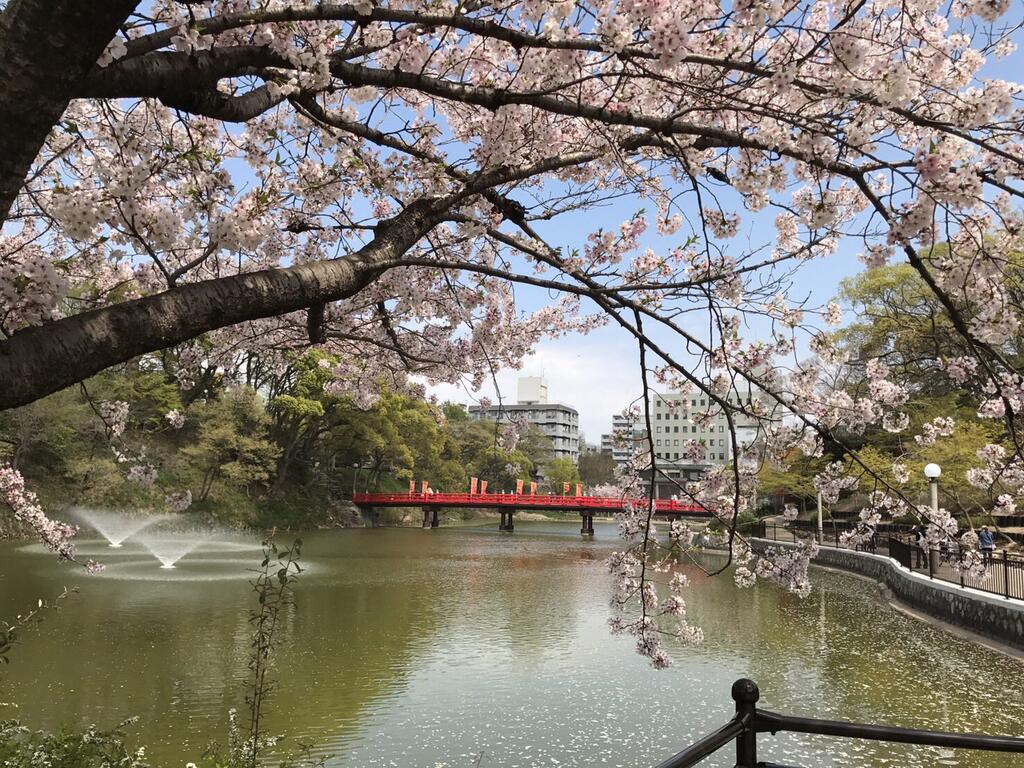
point(415, 647)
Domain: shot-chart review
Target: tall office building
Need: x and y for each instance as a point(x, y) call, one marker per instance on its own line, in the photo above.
point(560, 422)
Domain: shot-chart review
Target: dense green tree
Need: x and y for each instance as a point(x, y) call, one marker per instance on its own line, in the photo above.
point(955, 454)
point(536, 446)
point(795, 481)
point(560, 471)
point(302, 412)
point(480, 446)
point(145, 386)
point(502, 468)
point(899, 320)
point(596, 467)
point(473, 438)
point(396, 440)
point(454, 412)
point(232, 442)
point(46, 434)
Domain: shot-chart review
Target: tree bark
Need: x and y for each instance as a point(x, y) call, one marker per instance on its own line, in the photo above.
point(40, 360)
point(46, 48)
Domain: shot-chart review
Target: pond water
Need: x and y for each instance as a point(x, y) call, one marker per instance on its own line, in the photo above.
point(467, 647)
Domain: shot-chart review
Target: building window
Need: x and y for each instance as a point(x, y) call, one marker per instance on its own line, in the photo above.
point(658, 442)
point(657, 416)
point(677, 457)
point(677, 428)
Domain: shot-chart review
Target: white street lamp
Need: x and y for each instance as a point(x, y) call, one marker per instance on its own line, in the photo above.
point(932, 472)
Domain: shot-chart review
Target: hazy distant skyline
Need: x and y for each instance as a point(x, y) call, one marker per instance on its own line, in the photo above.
point(587, 372)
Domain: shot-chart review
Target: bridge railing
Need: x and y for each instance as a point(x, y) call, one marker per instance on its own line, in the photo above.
point(749, 721)
point(512, 500)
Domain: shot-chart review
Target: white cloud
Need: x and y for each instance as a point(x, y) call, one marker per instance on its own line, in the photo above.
point(598, 375)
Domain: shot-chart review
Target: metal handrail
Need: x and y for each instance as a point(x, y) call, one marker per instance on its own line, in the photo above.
point(773, 723)
point(749, 721)
point(710, 744)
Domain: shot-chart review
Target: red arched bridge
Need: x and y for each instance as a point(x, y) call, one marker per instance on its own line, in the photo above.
point(508, 503)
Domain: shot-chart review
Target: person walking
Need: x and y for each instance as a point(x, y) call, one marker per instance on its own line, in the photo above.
point(921, 550)
point(986, 543)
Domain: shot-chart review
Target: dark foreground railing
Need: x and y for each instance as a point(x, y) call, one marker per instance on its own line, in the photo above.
point(750, 721)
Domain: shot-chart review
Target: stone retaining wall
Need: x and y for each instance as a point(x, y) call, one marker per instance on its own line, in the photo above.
point(989, 615)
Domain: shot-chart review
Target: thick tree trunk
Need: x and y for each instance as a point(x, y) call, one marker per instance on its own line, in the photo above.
point(40, 360)
point(46, 48)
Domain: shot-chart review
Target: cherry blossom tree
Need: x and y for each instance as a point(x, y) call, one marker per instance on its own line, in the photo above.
point(379, 178)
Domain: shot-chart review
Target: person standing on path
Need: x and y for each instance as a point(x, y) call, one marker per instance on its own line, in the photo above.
point(987, 544)
point(921, 551)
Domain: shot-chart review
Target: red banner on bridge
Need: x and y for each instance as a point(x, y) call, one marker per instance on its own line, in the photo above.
point(483, 486)
point(533, 489)
point(579, 489)
point(565, 489)
point(412, 487)
point(519, 487)
point(423, 486)
point(472, 486)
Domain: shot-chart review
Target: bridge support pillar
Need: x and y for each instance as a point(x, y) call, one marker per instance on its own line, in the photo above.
point(506, 520)
point(588, 524)
point(433, 518)
point(426, 517)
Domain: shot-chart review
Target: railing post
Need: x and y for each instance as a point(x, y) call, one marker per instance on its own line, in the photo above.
point(1006, 576)
point(931, 562)
point(745, 693)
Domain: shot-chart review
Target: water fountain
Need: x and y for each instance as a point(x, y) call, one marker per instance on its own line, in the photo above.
point(169, 549)
point(213, 553)
point(116, 527)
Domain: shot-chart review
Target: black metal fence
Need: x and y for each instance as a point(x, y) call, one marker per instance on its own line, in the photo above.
point(750, 721)
point(1005, 576)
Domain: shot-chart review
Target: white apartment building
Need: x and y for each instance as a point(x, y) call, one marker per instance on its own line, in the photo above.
point(560, 422)
point(676, 419)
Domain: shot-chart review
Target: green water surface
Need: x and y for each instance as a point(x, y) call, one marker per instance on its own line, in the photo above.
point(466, 646)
